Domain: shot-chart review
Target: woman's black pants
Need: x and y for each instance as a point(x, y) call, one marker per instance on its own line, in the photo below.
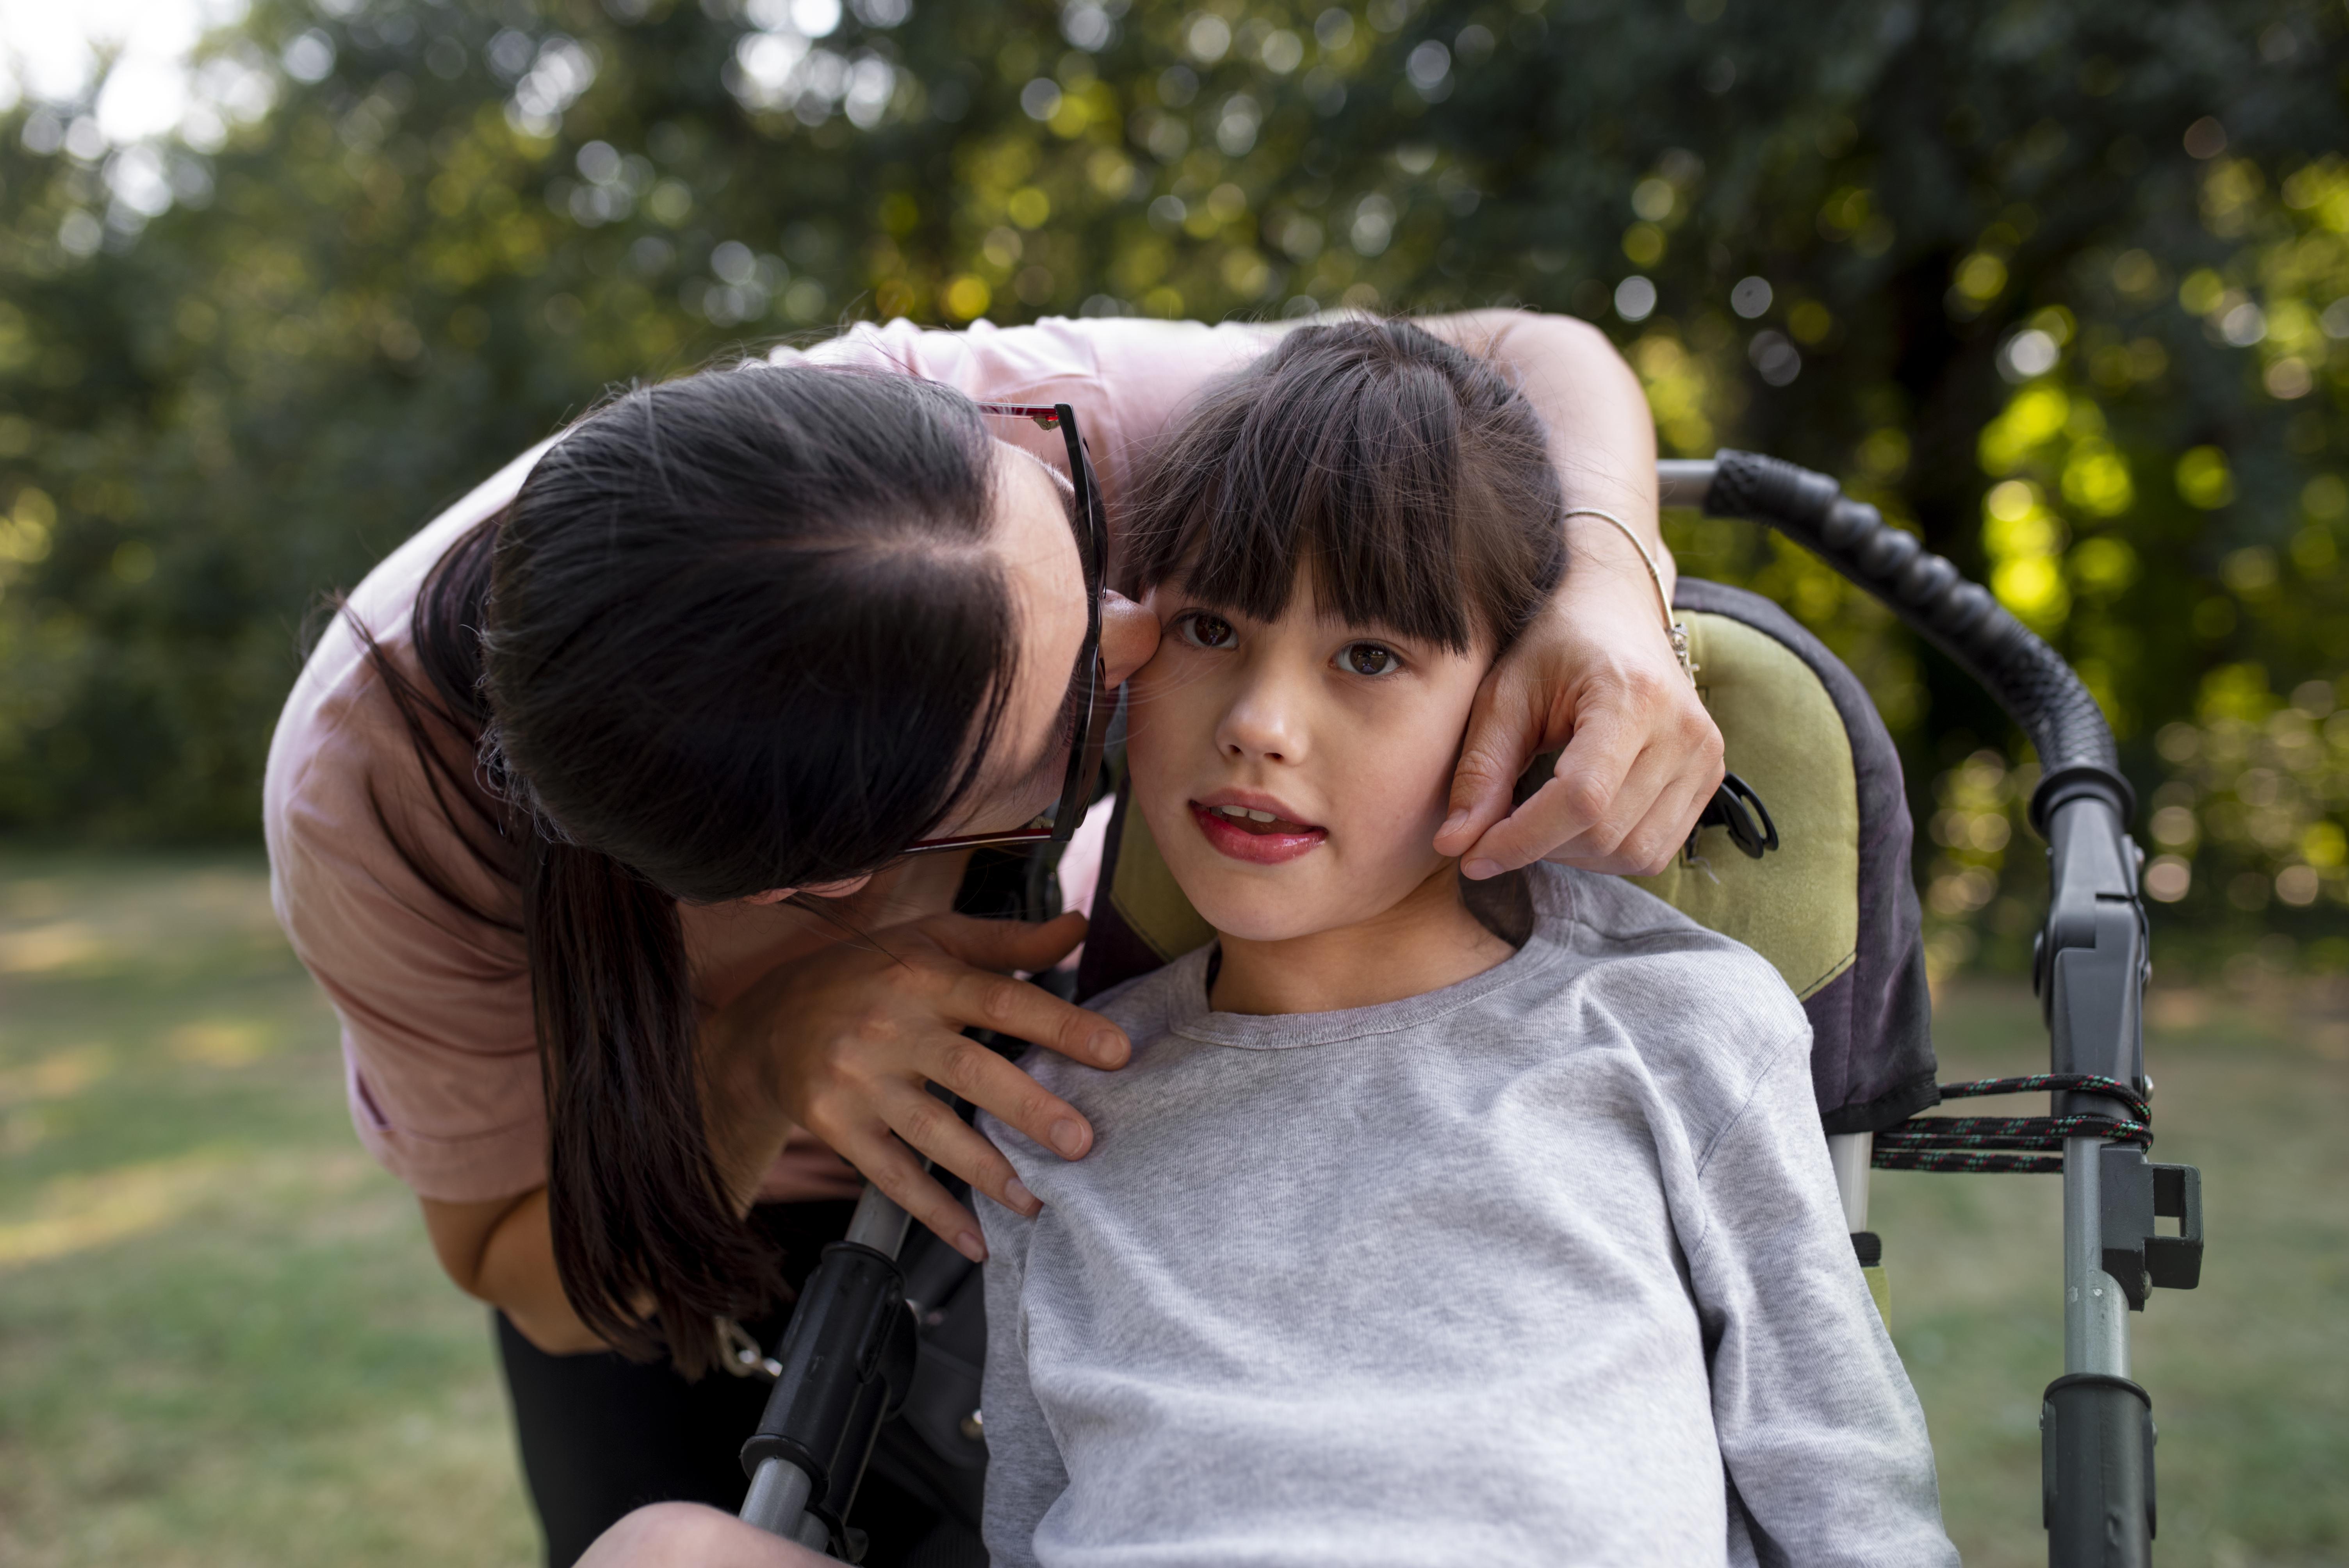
point(601, 1435)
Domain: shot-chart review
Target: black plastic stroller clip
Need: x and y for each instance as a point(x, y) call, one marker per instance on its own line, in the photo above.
point(1751, 830)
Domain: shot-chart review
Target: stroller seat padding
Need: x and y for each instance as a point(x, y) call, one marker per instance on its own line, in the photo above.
point(1871, 1017)
point(1783, 736)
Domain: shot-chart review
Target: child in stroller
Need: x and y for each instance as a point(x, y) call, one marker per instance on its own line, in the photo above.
point(1431, 1221)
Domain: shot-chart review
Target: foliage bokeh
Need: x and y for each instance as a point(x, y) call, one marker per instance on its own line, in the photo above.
point(2065, 286)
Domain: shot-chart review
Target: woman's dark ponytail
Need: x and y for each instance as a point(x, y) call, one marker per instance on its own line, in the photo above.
point(739, 631)
point(645, 1216)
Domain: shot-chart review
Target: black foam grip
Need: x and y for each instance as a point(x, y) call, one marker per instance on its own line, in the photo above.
point(2029, 678)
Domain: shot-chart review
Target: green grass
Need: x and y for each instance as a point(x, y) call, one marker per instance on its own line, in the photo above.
point(222, 1336)
point(223, 1339)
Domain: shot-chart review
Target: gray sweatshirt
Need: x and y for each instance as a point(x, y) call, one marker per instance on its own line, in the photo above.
point(1545, 1267)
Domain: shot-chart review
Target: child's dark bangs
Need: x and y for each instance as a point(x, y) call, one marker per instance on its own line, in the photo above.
point(1403, 473)
point(1348, 469)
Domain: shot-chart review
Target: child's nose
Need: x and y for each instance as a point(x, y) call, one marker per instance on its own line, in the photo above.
point(1265, 723)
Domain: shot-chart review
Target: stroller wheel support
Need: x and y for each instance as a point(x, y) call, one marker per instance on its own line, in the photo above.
point(2089, 971)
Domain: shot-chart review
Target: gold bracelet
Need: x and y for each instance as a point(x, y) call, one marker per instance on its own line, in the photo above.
point(1674, 630)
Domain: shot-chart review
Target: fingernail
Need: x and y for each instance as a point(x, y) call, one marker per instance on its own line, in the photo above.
point(1109, 1047)
point(1478, 870)
point(970, 1246)
point(1069, 1138)
point(1017, 1196)
point(1453, 824)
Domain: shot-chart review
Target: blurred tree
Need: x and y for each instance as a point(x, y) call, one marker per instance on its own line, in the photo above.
point(2062, 286)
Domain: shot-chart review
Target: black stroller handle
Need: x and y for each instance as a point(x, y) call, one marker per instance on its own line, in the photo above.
point(2088, 967)
point(1960, 617)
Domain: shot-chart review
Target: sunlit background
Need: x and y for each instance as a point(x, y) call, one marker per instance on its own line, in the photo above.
point(2063, 286)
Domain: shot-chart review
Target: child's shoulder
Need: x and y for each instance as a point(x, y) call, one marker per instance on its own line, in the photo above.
point(1146, 1007)
point(1645, 957)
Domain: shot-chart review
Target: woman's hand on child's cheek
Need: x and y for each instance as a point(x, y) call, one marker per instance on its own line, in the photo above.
point(847, 1041)
point(1597, 674)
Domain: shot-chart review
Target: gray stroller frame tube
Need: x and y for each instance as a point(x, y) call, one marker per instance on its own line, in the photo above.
point(2089, 969)
point(2092, 988)
point(2095, 1315)
point(879, 1223)
point(1850, 1153)
point(778, 1500)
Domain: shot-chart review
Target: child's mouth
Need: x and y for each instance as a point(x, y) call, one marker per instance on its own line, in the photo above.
point(1259, 837)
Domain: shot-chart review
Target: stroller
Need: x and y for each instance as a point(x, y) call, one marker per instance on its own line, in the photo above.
point(879, 1364)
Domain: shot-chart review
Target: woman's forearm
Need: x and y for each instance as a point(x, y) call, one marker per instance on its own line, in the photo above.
point(502, 1252)
point(1602, 437)
point(1598, 673)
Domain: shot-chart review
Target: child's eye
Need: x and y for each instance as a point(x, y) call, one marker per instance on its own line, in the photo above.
point(1370, 659)
point(1204, 631)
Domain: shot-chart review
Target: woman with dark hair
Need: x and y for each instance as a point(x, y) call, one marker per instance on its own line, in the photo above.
point(621, 813)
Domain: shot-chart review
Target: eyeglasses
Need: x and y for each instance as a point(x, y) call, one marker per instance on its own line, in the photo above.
point(1090, 700)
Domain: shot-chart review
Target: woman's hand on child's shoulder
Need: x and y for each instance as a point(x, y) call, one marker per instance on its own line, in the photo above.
point(847, 1041)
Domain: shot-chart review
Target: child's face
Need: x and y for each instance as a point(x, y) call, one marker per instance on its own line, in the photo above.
point(1347, 736)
